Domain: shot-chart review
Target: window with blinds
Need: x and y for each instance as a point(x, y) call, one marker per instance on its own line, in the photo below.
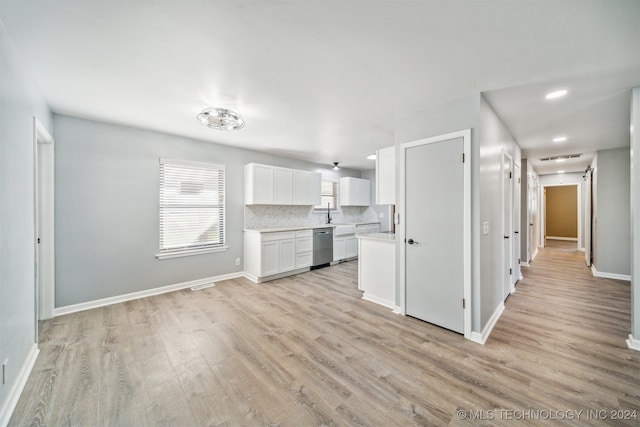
point(191, 208)
point(328, 196)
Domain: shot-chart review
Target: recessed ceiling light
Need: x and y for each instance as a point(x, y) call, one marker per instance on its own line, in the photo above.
point(371, 156)
point(560, 171)
point(560, 139)
point(556, 94)
point(561, 160)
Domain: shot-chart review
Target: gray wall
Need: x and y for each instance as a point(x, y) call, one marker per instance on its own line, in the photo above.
point(106, 208)
point(20, 101)
point(454, 116)
point(489, 138)
point(495, 139)
point(613, 214)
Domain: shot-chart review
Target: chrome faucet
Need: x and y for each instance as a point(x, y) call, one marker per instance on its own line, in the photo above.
point(328, 213)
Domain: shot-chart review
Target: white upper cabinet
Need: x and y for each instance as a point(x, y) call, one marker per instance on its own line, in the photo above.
point(306, 188)
point(354, 192)
point(272, 185)
point(282, 186)
point(258, 184)
point(386, 176)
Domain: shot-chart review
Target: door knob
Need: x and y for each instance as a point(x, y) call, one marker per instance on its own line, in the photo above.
point(412, 242)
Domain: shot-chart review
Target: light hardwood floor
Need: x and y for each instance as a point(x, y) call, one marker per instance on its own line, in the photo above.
point(306, 350)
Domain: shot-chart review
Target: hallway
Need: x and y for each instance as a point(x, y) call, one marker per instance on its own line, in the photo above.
point(570, 328)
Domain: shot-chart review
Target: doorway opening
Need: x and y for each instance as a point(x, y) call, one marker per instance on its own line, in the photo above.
point(561, 219)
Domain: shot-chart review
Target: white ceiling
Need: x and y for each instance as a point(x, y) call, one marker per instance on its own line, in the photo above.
point(325, 80)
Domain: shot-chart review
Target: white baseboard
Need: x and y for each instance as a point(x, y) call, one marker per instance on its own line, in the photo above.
point(570, 239)
point(378, 300)
point(142, 294)
point(397, 309)
point(606, 275)
point(633, 343)
point(14, 394)
point(481, 338)
point(534, 255)
point(524, 264)
point(582, 250)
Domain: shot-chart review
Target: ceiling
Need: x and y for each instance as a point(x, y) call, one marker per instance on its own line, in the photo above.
point(326, 80)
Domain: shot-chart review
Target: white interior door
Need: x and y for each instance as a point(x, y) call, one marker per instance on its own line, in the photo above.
point(434, 232)
point(507, 220)
point(516, 224)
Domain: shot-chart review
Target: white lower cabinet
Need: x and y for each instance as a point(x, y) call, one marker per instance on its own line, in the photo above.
point(304, 248)
point(345, 247)
point(274, 253)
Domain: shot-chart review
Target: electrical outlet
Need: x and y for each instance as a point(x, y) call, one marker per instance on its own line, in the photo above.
point(485, 228)
point(237, 261)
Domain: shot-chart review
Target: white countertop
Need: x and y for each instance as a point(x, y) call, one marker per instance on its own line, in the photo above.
point(382, 237)
point(302, 227)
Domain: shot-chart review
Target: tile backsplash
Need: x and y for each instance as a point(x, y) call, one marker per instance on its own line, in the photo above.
point(273, 216)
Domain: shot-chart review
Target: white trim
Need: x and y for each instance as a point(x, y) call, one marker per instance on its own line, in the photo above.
point(15, 392)
point(633, 343)
point(465, 134)
point(44, 176)
point(178, 254)
point(378, 300)
point(504, 191)
point(397, 309)
point(535, 253)
point(481, 338)
point(524, 264)
point(262, 279)
point(582, 249)
point(570, 239)
point(204, 165)
point(142, 294)
point(543, 209)
point(606, 275)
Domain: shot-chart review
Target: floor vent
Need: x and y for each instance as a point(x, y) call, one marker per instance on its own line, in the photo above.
point(203, 286)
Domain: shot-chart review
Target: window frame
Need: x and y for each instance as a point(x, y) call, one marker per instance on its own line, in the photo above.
point(338, 208)
point(186, 250)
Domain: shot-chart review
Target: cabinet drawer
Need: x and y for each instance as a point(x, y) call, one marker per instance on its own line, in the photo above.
point(304, 233)
point(304, 244)
point(304, 260)
point(269, 237)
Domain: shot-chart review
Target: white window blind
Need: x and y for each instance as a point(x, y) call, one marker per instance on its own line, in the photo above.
point(328, 195)
point(191, 206)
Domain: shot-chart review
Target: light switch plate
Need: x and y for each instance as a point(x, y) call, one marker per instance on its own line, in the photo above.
point(485, 228)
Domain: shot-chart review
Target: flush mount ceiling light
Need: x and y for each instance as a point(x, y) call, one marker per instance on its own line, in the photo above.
point(560, 171)
point(556, 94)
point(335, 166)
point(371, 156)
point(560, 139)
point(221, 119)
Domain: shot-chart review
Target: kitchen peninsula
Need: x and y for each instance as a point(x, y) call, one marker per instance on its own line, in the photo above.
point(376, 268)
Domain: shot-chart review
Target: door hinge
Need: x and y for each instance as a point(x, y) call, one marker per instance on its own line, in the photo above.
point(510, 272)
point(464, 303)
point(38, 240)
point(519, 261)
point(509, 174)
point(518, 180)
point(462, 157)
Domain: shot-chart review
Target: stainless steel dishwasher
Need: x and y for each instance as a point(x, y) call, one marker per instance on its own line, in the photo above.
point(322, 247)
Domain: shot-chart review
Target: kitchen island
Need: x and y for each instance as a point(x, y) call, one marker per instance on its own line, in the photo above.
point(377, 268)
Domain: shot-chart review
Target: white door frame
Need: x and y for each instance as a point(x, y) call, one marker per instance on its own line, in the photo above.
point(587, 217)
point(543, 211)
point(509, 217)
point(43, 173)
point(516, 223)
point(400, 215)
